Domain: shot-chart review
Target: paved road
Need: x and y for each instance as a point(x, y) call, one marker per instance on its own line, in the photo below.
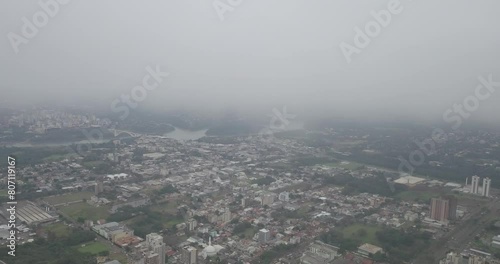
point(460, 237)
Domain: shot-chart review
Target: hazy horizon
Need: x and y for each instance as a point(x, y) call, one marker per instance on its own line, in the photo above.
point(263, 55)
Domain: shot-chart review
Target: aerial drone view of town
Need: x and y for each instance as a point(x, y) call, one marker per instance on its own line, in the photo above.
point(331, 195)
point(249, 132)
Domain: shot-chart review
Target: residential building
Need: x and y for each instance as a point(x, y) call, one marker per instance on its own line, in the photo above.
point(453, 204)
point(452, 258)
point(264, 235)
point(486, 187)
point(189, 255)
point(156, 245)
point(192, 223)
point(475, 184)
point(284, 196)
point(440, 209)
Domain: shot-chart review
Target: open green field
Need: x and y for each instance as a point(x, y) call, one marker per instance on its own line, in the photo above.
point(250, 232)
point(93, 248)
point(169, 207)
point(169, 223)
point(304, 209)
point(349, 165)
point(86, 211)
point(414, 196)
point(352, 232)
point(59, 229)
point(92, 164)
point(122, 258)
point(59, 157)
point(70, 197)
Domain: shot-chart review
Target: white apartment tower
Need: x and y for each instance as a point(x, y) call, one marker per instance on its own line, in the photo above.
point(486, 187)
point(475, 184)
point(264, 235)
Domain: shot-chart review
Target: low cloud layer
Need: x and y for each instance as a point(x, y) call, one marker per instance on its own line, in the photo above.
point(254, 55)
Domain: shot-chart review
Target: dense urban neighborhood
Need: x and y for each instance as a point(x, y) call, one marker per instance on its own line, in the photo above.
point(300, 196)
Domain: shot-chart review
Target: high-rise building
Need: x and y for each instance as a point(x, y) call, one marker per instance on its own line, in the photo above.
point(264, 235)
point(156, 245)
point(453, 203)
point(99, 187)
point(152, 258)
point(486, 186)
point(192, 223)
point(226, 216)
point(452, 258)
point(189, 255)
point(475, 184)
point(440, 209)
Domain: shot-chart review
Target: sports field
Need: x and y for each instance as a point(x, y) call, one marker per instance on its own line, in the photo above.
point(67, 198)
point(93, 248)
point(366, 236)
point(86, 211)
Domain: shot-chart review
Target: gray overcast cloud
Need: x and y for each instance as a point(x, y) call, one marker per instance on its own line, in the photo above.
point(263, 54)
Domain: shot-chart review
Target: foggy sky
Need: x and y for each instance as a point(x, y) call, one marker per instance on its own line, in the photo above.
point(264, 54)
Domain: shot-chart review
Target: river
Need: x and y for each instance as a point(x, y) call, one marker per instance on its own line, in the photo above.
point(178, 134)
point(183, 134)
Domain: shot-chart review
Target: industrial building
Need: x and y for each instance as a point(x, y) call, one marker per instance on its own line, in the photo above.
point(113, 231)
point(31, 214)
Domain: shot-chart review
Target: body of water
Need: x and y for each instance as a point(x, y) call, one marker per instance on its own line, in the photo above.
point(182, 134)
point(178, 134)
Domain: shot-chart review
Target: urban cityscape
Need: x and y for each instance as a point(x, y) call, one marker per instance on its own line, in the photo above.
point(250, 132)
point(145, 198)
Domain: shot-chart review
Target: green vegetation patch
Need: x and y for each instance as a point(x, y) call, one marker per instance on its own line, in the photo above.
point(364, 233)
point(92, 164)
point(59, 157)
point(415, 196)
point(60, 230)
point(86, 211)
point(93, 248)
point(264, 181)
point(67, 198)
